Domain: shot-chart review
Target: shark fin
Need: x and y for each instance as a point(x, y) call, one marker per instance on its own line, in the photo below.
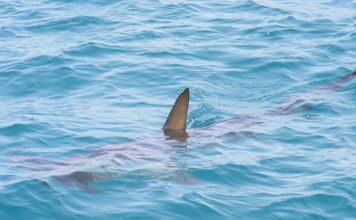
point(177, 117)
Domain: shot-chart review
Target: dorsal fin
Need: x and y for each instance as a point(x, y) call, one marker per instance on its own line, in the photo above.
point(177, 117)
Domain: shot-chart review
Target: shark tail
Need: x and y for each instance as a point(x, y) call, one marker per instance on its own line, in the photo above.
point(337, 84)
point(299, 103)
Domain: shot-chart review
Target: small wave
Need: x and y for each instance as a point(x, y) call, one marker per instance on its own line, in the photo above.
point(309, 207)
point(93, 49)
point(68, 24)
point(20, 129)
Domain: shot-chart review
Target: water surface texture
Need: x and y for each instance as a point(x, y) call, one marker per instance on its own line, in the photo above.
point(86, 85)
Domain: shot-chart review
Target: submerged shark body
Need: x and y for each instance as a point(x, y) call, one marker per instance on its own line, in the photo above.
point(154, 153)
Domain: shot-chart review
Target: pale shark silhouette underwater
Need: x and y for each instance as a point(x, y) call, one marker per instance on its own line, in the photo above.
point(154, 154)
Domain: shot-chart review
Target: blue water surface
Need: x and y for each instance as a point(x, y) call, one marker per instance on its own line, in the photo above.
point(85, 86)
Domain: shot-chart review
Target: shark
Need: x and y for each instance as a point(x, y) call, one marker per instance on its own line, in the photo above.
point(154, 154)
point(175, 124)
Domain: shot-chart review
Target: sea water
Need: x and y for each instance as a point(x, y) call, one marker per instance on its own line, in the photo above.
point(84, 78)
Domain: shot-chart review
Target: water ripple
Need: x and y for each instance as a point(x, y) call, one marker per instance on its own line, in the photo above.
point(85, 87)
